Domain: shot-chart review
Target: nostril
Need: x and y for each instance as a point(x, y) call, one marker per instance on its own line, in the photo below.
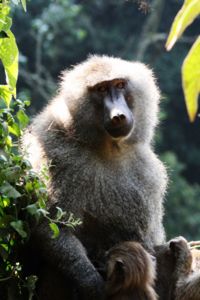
point(115, 120)
point(122, 117)
point(118, 119)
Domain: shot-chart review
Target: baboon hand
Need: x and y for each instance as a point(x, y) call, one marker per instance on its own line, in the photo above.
point(178, 245)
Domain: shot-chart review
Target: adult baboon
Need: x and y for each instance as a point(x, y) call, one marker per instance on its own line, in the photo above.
point(96, 137)
point(130, 273)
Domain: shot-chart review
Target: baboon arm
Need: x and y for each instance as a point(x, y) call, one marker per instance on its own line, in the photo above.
point(68, 255)
point(188, 288)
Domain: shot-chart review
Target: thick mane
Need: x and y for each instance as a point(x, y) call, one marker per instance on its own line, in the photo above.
point(95, 69)
point(102, 68)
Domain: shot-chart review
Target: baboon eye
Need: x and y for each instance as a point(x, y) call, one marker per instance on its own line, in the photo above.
point(102, 89)
point(120, 85)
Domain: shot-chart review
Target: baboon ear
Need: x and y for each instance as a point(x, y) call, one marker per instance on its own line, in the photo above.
point(119, 265)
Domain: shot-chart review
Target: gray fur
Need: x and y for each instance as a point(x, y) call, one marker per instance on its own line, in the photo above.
point(115, 186)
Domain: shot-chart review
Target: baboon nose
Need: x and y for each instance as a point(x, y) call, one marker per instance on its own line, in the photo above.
point(118, 119)
point(118, 123)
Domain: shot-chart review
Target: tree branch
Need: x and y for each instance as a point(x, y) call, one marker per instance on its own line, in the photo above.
point(150, 28)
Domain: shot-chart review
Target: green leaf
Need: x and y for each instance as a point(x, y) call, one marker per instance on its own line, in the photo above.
point(24, 4)
point(5, 128)
point(8, 141)
point(29, 186)
point(5, 20)
point(191, 79)
point(5, 94)
point(14, 129)
point(3, 158)
point(189, 11)
point(60, 213)
point(6, 202)
point(8, 190)
point(9, 56)
point(44, 212)
point(55, 229)
point(23, 118)
point(32, 209)
point(12, 174)
point(19, 227)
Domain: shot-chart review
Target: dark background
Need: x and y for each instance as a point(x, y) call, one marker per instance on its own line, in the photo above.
point(54, 35)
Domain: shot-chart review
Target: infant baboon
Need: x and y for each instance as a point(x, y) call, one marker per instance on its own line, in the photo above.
point(178, 271)
point(130, 273)
point(96, 138)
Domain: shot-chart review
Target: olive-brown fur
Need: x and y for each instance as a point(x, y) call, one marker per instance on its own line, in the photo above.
point(178, 271)
point(119, 182)
point(130, 273)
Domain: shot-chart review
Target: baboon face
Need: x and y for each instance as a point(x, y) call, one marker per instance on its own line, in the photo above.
point(110, 99)
point(113, 100)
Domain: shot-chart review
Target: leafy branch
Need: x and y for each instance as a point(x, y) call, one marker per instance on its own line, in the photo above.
point(23, 195)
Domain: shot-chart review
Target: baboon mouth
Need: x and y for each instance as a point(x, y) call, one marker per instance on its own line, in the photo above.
point(119, 132)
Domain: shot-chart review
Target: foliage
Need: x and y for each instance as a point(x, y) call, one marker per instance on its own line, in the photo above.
point(23, 195)
point(182, 216)
point(191, 66)
point(8, 54)
point(191, 79)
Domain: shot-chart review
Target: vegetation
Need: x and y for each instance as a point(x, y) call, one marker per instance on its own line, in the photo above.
point(191, 65)
point(23, 195)
point(53, 34)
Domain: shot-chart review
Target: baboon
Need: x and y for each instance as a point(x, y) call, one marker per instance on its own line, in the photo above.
point(130, 273)
point(178, 271)
point(96, 138)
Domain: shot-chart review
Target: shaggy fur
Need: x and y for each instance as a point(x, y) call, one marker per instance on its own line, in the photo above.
point(178, 271)
point(120, 183)
point(130, 273)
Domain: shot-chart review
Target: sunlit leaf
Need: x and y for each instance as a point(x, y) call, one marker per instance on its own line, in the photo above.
point(9, 56)
point(60, 213)
point(3, 158)
point(24, 4)
point(191, 79)
point(8, 141)
point(5, 20)
point(55, 229)
point(6, 202)
point(189, 11)
point(14, 129)
point(23, 118)
point(5, 94)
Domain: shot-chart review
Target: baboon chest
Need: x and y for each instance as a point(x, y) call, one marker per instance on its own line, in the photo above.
point(107, 200)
